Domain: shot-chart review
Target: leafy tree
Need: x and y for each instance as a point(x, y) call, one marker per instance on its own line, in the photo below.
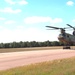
point(30, 44)
point(55, 43)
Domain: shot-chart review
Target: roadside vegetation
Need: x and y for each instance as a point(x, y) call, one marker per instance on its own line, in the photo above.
point(30, 44)
point(56, 67)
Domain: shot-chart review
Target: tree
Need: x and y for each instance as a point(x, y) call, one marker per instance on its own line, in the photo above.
point(55, 43)
point(30, 44)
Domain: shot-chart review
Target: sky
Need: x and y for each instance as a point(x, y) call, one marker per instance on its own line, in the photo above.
point(25, 20)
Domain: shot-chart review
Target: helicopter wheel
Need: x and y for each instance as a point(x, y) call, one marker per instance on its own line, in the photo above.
point(66, 47)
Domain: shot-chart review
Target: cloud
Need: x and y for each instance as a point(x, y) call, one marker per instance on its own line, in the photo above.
point(10, 1)
point(73, 20)
point(57, 20)
point(23, 2)
point(1, 18)
point(37, 19)
point(22, 34)
point(70, 3)
point(10, 22)
point(20, 2)
point(10, 10)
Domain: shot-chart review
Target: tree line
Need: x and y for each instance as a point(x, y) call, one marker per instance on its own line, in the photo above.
point(30, 44)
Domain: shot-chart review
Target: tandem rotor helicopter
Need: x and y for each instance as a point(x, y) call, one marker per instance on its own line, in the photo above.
point(66, 38)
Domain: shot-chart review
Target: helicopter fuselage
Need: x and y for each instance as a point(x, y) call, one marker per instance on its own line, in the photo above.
point(66, 38)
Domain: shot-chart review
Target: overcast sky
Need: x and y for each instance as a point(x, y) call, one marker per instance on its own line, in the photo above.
point(25, 20)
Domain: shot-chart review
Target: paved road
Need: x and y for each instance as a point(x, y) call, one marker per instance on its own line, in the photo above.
point(14, 59)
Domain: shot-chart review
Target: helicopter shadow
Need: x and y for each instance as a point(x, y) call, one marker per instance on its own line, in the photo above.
point(72, 48)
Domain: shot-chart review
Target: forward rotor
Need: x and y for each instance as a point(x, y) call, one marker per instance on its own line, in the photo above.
point(55, 28)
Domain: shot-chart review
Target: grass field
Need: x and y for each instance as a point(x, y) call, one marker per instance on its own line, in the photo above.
point(57, 67)
point(28, 49)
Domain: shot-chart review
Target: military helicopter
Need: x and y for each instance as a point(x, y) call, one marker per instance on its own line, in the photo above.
point(66, 38)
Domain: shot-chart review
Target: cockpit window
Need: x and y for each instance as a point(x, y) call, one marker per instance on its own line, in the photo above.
point(63, 34)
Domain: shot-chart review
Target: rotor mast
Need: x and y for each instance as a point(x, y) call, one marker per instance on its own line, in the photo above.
point(62, 31)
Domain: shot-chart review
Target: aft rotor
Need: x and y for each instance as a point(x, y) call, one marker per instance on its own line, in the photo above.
point(72, 28)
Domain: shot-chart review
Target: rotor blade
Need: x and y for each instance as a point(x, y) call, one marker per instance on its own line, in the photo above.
point(67, 28)
point(70, 26)
point(52, 27)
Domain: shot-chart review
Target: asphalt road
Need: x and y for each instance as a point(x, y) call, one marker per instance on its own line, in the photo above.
point(15, 59)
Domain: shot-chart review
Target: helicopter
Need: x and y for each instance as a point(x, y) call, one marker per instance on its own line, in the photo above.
point(66, 38)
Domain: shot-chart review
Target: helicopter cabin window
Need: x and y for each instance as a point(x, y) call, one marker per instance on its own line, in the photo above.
point(67, 35)
point(63, 34)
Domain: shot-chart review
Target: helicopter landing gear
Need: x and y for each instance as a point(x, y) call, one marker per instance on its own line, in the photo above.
point(66, 47)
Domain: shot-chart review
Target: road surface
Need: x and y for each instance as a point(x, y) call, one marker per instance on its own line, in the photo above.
point(15, 59)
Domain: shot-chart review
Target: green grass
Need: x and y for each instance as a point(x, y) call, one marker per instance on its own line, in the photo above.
point(28, 49)
point(57, 67)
